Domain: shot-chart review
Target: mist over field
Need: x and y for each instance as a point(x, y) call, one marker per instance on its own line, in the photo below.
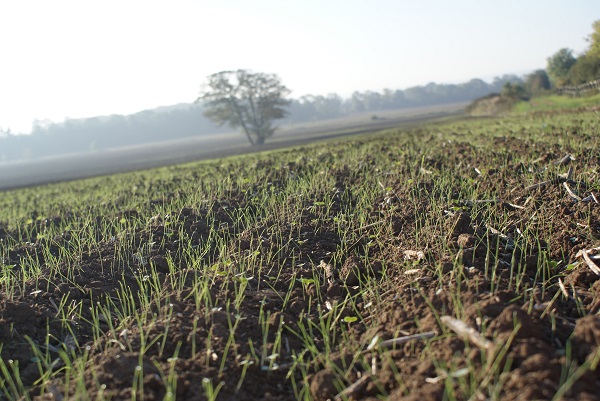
point(186, 120)
point(125, 155)
point(177, 133)
point(336, 65)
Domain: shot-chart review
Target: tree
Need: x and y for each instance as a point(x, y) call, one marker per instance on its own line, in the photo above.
point(587, 68)
point(537, 82)
point(559, 65)
point(514, 91)
point(244, 99)
point(594, 39)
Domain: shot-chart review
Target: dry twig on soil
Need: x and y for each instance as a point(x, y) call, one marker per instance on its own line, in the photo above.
point(403, 340)
point(399, 340)
point(369, 225)
point(588, 261)
point(533, 187)
point(590, 198)
point(568, 175)
point(466, 332)
point(354, 388)
point(570, 191)
point(561, 178)
point(565, 160)
point(514, 206)
point(563, 289)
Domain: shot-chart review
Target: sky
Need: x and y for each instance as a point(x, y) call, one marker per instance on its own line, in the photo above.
point(74, 59)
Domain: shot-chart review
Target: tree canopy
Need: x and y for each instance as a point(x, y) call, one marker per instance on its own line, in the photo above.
point(537, 82)
point(559, 65)
point(587, 68)
point(594, 39)
point(244, 99)
point(514, 91)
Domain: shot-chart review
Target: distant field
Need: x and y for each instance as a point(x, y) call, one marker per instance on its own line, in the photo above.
point(447, 260)
point(74, 166)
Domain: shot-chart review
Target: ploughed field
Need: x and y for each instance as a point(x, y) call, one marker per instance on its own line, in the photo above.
point(455, 261)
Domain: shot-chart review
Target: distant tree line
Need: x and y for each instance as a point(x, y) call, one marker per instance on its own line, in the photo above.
point(313, 108)
point(98, 133)
point(188, 120)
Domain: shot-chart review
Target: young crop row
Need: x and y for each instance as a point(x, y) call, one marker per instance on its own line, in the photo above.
point(445, 261)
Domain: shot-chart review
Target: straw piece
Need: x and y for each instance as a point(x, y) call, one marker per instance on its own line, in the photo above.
point(563, 289)
point(570, 173)
point(354, 388)
point(570, 191)
point(466, 332)
point(402, 340)
point(538, 185)
point(399, 340)
point(565, 160)
point(369, 225)
point(593, 266)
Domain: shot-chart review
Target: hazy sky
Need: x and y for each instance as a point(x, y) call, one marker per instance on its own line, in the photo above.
point(79, 58)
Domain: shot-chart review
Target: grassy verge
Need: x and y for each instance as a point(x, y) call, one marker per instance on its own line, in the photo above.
point(555, 102)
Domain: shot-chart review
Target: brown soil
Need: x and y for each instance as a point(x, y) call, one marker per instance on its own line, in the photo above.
point(540, 333)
